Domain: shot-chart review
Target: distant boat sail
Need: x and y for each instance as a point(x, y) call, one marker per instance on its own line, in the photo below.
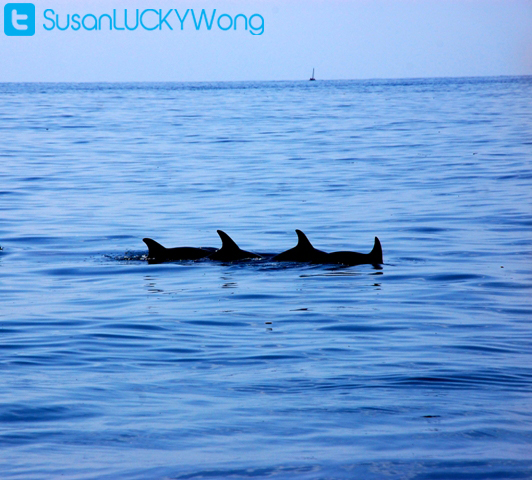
point(312, 79)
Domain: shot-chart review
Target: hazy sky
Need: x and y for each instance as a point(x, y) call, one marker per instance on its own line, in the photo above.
point(342, 39)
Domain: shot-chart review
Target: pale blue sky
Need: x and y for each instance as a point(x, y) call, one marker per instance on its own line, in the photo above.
point(343, 39)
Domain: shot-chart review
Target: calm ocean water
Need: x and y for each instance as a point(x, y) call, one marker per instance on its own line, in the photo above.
point(113, 368)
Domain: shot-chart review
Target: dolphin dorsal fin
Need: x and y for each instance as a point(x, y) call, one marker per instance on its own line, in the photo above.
point(155, 249)
point(303, 241)
point(376, 252)
point(230, 251)
point(228, 244)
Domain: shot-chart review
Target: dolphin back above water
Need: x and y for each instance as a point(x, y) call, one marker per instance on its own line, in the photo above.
point(230, 251)
point(157, 253)
point(354, 258)
point(303, 252)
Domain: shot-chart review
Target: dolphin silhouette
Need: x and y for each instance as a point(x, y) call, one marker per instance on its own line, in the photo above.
point(230, 251)
point(354, 258)
point(302, 252)
point(157, 253)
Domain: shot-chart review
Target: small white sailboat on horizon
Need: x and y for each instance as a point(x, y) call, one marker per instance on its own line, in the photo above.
point(312, 79)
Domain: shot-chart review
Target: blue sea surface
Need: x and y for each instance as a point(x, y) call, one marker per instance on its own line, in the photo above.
point(113, 368)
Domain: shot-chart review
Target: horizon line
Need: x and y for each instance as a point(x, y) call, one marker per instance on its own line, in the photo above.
point(269, 81)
